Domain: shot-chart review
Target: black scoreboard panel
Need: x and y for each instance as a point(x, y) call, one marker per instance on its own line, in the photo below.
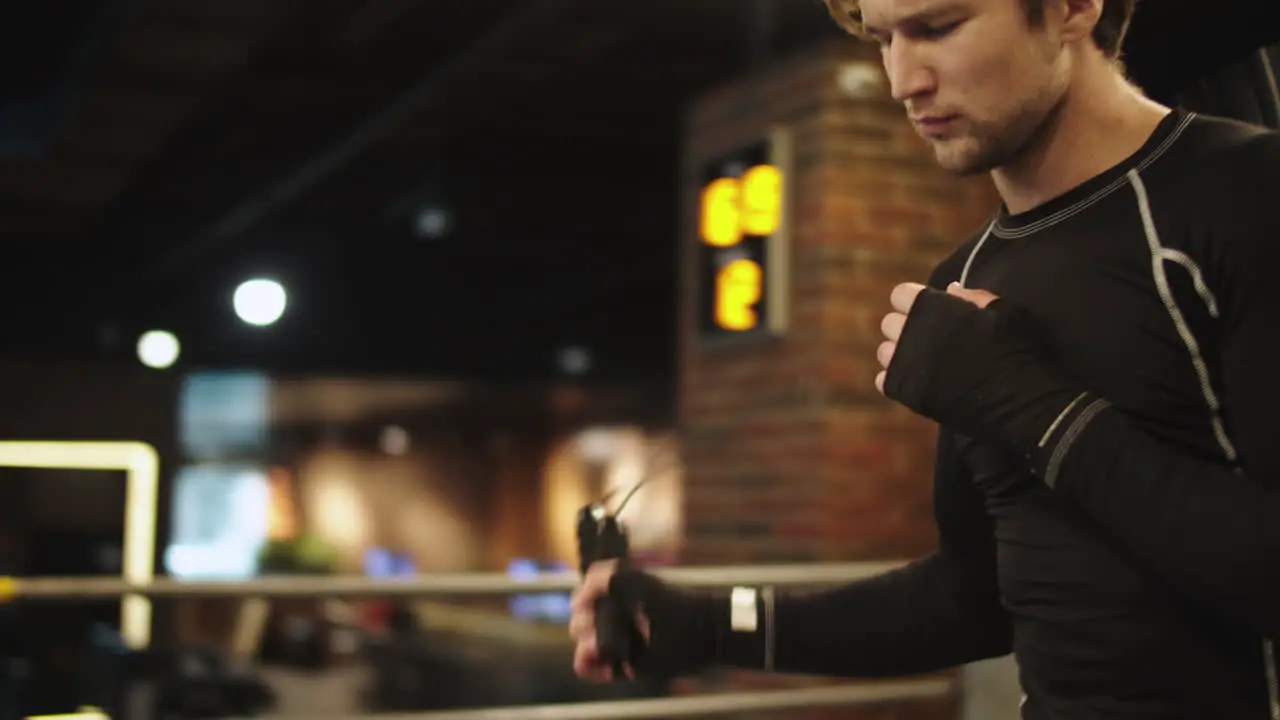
point(741, 238)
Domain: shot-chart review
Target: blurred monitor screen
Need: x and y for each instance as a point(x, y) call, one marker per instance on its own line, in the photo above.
point(219, 522)
point(223, 416)
point(547, 607)
point(384, 563)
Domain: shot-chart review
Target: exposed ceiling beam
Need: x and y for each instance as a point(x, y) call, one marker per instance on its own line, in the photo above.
point(261, 203)
point(29, 218)
point(30, 128)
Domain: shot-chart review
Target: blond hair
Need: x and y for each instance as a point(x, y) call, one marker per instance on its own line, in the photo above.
point(848, 15)
point(1109, 34)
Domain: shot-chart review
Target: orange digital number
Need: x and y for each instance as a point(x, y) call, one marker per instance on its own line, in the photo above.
point(761, 200)
point(739, 285)
point(732, 208)
point(721, 225)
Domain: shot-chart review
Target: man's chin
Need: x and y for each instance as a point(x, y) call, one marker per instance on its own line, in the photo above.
point(961, 161)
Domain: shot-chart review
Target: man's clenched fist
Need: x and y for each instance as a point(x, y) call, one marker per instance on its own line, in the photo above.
point(587, 662)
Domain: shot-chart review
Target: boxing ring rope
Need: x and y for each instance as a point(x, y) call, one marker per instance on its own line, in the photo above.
point(499, 584)
point(699, 705)
point(432, 585)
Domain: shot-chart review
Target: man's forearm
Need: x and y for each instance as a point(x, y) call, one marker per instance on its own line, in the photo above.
point(1209, 531)
point(921, 618)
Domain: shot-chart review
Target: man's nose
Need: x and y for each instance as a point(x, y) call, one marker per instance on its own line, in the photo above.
point(910, 75)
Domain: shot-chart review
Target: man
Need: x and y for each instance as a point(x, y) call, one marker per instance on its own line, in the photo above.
point(1108, 481)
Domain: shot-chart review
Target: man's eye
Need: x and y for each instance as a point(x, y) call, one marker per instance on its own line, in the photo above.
point(936, 32)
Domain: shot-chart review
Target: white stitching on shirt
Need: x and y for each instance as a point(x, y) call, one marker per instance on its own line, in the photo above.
point(964, 274)
point(1061, 416)
point(1076, 427)
point(1197, 277)
point(1069, 212)
point(1158, 258)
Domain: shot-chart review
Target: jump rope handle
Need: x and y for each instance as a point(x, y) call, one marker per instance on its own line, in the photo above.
point(600, 537)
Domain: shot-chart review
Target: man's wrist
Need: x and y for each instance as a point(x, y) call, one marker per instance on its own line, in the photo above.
point(744, 621)
point(1050, 451)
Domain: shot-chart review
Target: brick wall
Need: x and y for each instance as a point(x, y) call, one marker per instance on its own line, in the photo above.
point(791, 454)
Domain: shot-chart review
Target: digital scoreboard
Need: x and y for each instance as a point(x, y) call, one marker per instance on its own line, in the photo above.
point(741, 237)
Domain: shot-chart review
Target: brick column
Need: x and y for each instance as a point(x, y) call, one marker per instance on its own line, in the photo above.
point(791, 455)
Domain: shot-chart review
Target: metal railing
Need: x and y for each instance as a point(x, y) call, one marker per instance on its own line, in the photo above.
point(720, 703)
point(434, 585)
point(500, 584)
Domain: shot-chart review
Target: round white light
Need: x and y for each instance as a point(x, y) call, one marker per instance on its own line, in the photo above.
point(433, 223)
point(259, 302)
point(158, 349)
point(575, 360)
point(394, 440)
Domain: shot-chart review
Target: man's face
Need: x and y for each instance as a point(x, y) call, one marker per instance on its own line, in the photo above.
point(977, 80)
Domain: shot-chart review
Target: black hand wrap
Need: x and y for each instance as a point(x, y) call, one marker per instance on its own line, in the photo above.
point(684, 627)
point(981, 372)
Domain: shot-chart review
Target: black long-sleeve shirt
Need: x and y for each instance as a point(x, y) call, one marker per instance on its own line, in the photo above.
point(1136, 564)
point(938, 612)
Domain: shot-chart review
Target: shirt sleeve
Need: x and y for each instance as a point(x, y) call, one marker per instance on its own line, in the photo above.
point(1211, 529)
point(935, 613)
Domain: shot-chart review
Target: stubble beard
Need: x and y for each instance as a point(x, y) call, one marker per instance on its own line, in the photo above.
point(990, 145)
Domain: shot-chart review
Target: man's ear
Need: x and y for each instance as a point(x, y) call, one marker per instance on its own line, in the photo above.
point(1079, 19)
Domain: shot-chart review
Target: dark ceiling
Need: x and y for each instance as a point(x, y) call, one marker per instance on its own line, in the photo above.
point(155, 152)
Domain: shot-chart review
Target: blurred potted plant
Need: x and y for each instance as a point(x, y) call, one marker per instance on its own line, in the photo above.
point(302, 555)
point(297, 633)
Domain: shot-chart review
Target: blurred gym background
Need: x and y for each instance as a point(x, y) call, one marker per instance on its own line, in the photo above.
point(394, 287)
